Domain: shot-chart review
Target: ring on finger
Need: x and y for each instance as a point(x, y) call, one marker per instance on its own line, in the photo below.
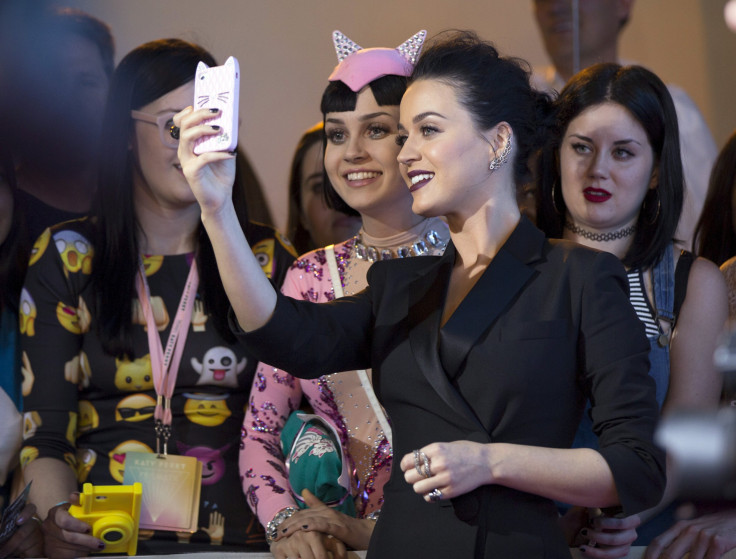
point(418, 462)
point(427, 471)
point(435, 495)
point(37, 519)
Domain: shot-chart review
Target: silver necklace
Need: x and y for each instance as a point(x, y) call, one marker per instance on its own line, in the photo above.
point(611, 236)
point(419, 247)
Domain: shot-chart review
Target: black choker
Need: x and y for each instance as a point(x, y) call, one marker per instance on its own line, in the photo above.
point(612, 236)
point(419, 247)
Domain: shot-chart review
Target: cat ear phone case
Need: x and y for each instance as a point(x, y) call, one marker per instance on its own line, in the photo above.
point(218, 87)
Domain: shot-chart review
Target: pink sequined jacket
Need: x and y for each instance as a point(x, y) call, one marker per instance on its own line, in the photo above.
point(339, 398)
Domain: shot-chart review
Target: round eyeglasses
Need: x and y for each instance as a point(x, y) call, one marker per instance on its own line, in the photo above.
point(168, 133)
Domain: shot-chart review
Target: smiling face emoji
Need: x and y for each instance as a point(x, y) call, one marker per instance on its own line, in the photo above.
point(117, 457)
point(209, 410)
point(134, 376)
point(136, 407)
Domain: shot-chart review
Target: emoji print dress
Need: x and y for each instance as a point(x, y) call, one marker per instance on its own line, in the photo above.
point(89, 409)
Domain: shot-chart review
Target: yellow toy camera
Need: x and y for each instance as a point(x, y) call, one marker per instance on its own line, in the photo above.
point(112, 511)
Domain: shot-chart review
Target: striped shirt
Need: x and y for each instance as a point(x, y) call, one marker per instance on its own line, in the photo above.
point(641, 304)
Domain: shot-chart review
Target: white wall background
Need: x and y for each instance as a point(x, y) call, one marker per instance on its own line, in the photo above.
point(285, 52)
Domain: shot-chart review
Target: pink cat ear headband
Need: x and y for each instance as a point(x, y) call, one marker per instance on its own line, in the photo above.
point(357, 66)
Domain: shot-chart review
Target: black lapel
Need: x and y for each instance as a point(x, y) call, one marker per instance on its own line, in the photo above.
point(504, 278)
point(426, 300)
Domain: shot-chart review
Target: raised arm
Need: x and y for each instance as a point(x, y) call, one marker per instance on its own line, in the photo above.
point(211, 177)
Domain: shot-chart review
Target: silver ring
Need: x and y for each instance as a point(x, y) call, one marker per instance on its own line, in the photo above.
point(427, 471)
point(417, 462)
point(435, 495)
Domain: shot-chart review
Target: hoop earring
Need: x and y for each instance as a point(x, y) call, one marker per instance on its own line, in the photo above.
point(645, 210)
point(554, 199)
point(498, 161)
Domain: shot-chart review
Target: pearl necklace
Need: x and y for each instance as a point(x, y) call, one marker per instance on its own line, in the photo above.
point(417, 248)
point(611, 236)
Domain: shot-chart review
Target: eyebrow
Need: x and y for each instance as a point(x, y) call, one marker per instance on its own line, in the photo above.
point(424, 115)
point(616, 143)
point(361, 119)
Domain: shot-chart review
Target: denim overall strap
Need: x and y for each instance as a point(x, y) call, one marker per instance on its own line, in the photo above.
point(663, 288)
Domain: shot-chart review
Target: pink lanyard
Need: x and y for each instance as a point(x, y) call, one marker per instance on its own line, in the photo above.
point(165, 365)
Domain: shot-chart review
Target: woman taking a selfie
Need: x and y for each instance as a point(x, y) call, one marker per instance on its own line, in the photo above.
point(361, 127)
point(93, 357)
point(482, 357)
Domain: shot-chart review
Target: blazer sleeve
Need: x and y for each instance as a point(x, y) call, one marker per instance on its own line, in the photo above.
point(622, 394)
point(313, 339)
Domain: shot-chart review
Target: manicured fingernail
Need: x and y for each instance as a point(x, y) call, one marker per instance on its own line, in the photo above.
point(584, 532)
point(283, 530)
point(215, 127)
point(214, 110)
point(101, 545)
point(305, 526)
point(583, 549)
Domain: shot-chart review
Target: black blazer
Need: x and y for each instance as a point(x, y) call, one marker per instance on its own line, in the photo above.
point(548, 324)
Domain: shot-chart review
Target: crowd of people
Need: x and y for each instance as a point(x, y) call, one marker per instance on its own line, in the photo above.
point(493, 284)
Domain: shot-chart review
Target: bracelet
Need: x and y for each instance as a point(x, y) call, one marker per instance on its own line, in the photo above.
point(272, 527)
point(374, 515)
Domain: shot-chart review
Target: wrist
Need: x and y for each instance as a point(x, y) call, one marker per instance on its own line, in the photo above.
point(273, 525)
point(220, 215)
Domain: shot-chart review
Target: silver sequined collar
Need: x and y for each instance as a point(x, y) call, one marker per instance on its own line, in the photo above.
point(420, 246)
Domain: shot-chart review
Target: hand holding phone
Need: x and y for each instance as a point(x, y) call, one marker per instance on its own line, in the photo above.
point(218, 87)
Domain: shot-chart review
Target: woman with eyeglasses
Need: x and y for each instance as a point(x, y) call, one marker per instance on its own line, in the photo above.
point(106, 298)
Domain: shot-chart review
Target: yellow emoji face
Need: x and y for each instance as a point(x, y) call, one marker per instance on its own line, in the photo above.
point(86, 458)
point(75, 251)
point(263, 252)
point(136, 407)
point(39, 247)
point(152, 264)
point(31, 422)
point(28, 455)
point(209, 410)
point(88, 417)
point(117, 457)
point(67, 317)
point(134, 376)
point(28, 314)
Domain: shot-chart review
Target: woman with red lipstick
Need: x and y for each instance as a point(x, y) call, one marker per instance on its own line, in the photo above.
point(483, 357)
point(611, 179)
point(89, 349)
point(361, 126)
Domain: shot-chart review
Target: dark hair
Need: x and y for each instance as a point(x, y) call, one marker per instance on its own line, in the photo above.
point(715, 238)
point(145, 74)
point(490, 87)
point(644, 95)
point(338, 98)
point(15, 248)
point(297, 233)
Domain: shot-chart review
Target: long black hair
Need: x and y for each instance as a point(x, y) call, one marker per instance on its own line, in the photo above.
point(145, 74)
point(646, 97)
point(715, 235)
point(14, 249)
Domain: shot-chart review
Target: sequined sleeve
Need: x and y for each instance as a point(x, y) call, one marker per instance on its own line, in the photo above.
point(274, 395)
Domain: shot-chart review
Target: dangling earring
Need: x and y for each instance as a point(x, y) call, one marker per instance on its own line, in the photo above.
point(644, 209)
point(499, 160)
point(554, 200)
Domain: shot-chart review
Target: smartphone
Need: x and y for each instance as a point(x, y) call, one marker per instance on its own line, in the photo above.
point(218, 87)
